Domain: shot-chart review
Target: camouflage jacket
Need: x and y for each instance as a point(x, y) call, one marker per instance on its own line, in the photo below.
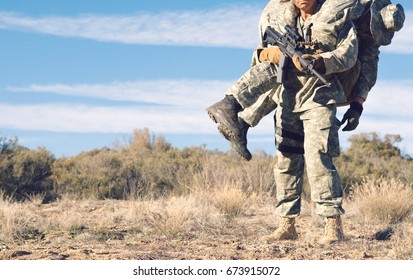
point(368, 51)
point(340, 10)
point(336, 41)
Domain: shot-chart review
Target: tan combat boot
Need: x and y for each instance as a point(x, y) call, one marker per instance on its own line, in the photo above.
point(333, 231)
point(285, 231)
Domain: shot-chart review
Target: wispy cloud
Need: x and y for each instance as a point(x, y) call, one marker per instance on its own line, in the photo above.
point(192, 93)
point(233, 26)
point(183, 109)
point(90, 119)
point(180, 107)
point(391, 98)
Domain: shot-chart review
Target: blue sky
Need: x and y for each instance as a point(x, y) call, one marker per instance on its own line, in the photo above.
point(83, 74)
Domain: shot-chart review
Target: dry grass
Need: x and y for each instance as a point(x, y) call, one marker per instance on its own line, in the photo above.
point(171, 217)
point(16, 223)
point(401, 242)
point(231, 200)
point(221, 223)
point(385, 201)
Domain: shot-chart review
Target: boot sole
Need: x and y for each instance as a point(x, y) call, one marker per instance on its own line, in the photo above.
point(234, 148)
point(216, 117)
point(271, 240)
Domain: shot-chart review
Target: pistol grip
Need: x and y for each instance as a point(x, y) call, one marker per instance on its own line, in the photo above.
point(281, 69)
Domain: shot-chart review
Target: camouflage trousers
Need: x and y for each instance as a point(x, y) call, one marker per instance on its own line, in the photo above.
point(308, 140)
point(254, 91)
point(256, 87)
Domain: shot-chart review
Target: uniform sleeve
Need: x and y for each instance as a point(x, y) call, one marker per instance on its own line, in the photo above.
point(255, 59)
point(369, 59)
point(345, 55)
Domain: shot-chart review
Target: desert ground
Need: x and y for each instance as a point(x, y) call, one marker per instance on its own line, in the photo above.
point(225, 225)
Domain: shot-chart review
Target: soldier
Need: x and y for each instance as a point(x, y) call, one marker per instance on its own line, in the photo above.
point(307, 127)
point(250, 99)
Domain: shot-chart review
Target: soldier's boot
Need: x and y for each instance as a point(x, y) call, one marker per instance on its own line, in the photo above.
point(286, 231)
point(238, 145)
point(333, 231)
point(225, 113)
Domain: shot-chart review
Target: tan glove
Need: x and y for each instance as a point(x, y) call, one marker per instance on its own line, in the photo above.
point(270, 54)
point(317, 61)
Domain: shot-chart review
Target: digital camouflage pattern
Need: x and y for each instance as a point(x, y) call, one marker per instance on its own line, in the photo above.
point(256, 81)
point(254, 92)
point(306, 126)
point(277, 14)
point(385, 16)
point(316, 132)
point(368, 57)
point(375, 28)
point(332, 18)
point(246, 88)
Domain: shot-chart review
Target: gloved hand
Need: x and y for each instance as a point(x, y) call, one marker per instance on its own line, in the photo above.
point(317, 61)
point(270, 54)
point(352, 116)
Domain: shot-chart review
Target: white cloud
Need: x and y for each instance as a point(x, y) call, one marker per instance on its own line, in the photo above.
point(387, 110)
point(390, 99)
point(193, 93)
point(387, 98)
point(233, 26)
point(90, 119)
point(180, 107)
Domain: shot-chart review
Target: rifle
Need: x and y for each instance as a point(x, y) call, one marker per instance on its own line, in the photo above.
point(288, 46)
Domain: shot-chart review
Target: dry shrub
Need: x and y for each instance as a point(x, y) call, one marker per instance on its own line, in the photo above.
point(257, 175)
point(36, 199)
point(216, 170)
point(231, 200)
point(16, 223)
point(384, 200)
point(72, 223)
point(222, 169)
point(401, 242)
point(136, 210)
point(25, 172)
point(172, 216)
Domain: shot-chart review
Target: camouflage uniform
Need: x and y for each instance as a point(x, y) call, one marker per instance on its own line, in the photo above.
point(254, 90)
point(316, 132)
point(305, 118)
point(305, 121)
point(367, 24)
